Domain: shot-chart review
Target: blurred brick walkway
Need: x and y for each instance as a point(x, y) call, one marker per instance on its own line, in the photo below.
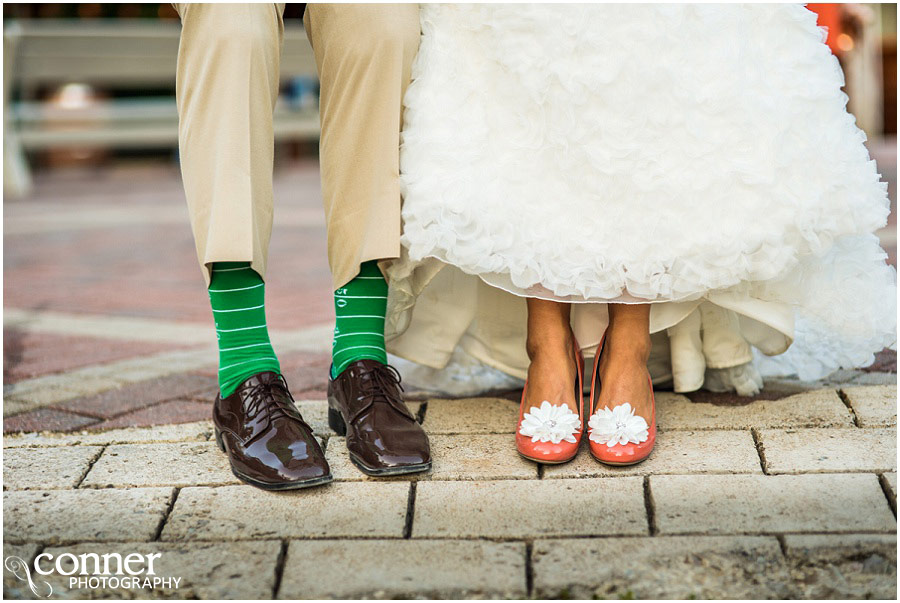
point(106, 320)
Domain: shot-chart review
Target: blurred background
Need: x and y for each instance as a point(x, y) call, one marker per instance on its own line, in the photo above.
point(95, 222)
point(90, 85)
point(93, 84)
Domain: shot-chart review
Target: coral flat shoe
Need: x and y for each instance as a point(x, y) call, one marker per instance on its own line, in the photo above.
point(551, 433)
point(617, 436)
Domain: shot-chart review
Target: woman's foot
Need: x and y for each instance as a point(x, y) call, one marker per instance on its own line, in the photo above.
point(551, 376)
point(550, 346)
point(622, 423)
point(550, 422)
point(623, 373)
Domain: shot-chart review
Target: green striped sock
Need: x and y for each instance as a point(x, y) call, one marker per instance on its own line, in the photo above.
point(237, 295)
point(360, 307)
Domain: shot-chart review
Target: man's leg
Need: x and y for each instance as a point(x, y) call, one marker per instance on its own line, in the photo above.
point(226, 149)
point(226, 87)
point(364, 55)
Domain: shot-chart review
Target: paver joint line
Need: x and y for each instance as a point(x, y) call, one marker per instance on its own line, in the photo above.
point(846, 400)
point(90, 466)
point(529, 568)
point(420, 416)
point(279, 568)
point(513, 539)
point(886, 488)
point(410, 511)
point(166, 514)
point(648, 505)
point(782, 544)
point(760, 449)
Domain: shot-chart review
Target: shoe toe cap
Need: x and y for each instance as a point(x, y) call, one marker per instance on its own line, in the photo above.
point(306, 470)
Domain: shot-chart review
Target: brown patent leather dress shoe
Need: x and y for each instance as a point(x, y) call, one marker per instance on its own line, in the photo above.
point(268, 443)
point(383, 436)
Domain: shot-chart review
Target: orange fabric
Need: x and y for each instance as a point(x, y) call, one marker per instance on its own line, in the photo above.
point(830, 17)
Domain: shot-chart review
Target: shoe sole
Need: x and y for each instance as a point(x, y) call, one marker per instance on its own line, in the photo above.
point(310, 483)
point(615, 464)
point(389, 471)
point(299, 485)
point(545, 461)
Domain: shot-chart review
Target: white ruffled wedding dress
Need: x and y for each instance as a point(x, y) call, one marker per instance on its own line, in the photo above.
point(697, 157)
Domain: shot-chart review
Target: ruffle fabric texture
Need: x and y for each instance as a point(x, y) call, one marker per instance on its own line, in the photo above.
point(647, 153)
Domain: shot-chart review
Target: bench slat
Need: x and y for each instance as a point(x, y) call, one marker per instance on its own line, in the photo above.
point(299, 126)
point(149, 108)
point(127, 55)
point(121, 54)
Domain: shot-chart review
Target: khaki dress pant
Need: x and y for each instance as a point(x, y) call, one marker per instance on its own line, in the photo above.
point(226, 87)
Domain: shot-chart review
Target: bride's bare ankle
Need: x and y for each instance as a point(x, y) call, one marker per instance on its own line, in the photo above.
point(551, 373)
point(548, 344)
point(549, 330)
point(626, 347)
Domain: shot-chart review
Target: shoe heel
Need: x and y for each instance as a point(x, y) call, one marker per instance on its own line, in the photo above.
point(219, 440)
point(336, 421)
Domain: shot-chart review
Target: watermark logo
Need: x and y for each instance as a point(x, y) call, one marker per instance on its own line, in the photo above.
point(19, 568)
point(114, 571)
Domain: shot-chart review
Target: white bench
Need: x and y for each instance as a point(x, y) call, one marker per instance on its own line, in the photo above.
point(119, 54)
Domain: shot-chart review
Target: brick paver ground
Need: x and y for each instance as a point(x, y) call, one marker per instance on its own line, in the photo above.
point(722, 512)
point(109, 371)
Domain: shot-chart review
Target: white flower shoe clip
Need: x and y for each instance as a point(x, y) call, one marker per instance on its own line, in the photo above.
point(550, 423)
point(618, 426)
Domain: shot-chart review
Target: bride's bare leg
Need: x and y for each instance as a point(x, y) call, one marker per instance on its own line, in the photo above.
point(623, 364)
point(551, 375)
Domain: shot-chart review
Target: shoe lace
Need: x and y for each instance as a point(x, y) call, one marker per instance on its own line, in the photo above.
point(262, 400)
point(383, 384)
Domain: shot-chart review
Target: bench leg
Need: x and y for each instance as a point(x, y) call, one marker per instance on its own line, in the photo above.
point(17, 181)
point(16, 175)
